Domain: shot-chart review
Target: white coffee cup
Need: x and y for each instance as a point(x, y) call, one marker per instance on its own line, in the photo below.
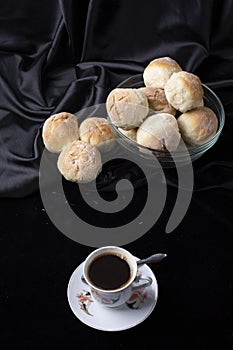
point(104, 264)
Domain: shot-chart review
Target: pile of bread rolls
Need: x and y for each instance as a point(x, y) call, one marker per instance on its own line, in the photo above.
point(170, 107)
point(79, 147)
point(158, 115)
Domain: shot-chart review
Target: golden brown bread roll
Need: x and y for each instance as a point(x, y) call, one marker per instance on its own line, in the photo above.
point(59, 130)
point(184, 91)
point(159, 131)
point(127, 108)
point(157, 100)
point(159, 70)
point(198, 125)
point(79, 162)
point(97, 131)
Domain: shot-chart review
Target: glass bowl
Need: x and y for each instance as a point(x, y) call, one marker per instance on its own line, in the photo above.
point(185, 153)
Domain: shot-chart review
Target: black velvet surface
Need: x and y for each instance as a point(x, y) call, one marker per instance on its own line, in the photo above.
point(67, 55)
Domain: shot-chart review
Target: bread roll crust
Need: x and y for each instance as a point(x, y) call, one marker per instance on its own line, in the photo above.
point(157, 100)
point(79, 162)
point(159, 70)
point(127, 107)
point(131, 133)
point(159, 131)
point(198, 125)
point(59, 130)
point(184, 91)
point(97, 131)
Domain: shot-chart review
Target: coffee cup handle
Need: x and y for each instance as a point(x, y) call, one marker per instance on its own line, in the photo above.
point(137, 285)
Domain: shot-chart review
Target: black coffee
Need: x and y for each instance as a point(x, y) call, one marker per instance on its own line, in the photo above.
point(109, 271)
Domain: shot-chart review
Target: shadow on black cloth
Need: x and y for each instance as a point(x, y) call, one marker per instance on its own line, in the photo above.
point(65, 56)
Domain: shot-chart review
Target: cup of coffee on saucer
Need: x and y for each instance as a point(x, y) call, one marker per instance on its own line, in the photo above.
point(111, 272)
point(112, 290)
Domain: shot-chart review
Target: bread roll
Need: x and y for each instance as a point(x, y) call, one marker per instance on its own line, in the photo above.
point(97, 131)
point(59, 130)
point(131, 133)
point(198, 125)
point(184, 91)
point(79, 162)
point(159, 131)
point(126, 107)
point(158, 71)
point(157, 100)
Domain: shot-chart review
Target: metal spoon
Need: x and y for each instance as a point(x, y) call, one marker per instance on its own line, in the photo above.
point(152, 259)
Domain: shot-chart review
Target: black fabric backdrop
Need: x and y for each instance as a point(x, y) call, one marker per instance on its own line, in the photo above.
point(67, 55)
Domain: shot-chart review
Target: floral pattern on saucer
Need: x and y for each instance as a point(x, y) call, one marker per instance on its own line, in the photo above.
point(85, 300)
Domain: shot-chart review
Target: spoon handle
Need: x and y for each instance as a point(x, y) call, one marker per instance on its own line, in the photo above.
point(152, 259)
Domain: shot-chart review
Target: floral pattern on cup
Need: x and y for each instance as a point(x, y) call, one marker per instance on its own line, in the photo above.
point(135, 302)
point(103, 299)
point(137, 299)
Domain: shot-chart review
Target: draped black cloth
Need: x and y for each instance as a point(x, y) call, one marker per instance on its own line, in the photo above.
point(67, 55)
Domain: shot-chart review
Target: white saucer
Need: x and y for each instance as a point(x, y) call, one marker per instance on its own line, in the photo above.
point(133, 312)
